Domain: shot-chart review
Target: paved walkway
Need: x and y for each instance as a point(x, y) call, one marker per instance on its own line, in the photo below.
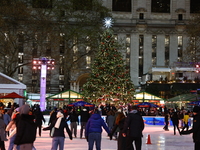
point(160, 140)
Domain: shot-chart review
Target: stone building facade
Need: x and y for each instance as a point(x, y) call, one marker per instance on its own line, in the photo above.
point(154, 34)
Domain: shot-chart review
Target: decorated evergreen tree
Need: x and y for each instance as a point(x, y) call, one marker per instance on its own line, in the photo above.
point(109, 80)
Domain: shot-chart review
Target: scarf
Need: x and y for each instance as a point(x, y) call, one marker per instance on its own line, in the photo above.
point(59, 116)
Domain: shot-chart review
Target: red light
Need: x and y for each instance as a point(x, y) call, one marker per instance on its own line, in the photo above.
point(197, 71)
point(39, 62)
point(48, 68)
point(49, 62)
point(34, 62)
point(34, 67)
point(197, 66)
point(52, 68)
point(52, 62)
point(39, 67)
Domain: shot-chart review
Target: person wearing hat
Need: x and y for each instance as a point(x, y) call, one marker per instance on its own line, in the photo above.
point(25, 129)
point(195, 128)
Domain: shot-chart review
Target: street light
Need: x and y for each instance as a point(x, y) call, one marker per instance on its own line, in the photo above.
point(43, 64)
point(197, 66)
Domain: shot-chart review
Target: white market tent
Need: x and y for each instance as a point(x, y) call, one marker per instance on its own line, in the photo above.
point(9, 85)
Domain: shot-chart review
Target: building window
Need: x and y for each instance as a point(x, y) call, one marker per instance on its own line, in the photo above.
point(34, 50)
point(88, 61)
point(20, 48)
point(154, 48)
point(20, 77)
point(180, 48)
point(20, 70)
point(61, 70)
point(141, 16)
point(48, 51)
point(194, 6)
point(180, 17)
point(42, 3)
point(121, 5)
point(62, 43)
point(167, 40)
point(160, 6)
point(75, 46)
point(20, 57)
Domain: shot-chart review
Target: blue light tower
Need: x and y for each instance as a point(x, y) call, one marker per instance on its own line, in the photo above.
point(43, 64)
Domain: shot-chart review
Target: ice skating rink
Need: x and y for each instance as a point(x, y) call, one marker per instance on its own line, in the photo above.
point(159, 139)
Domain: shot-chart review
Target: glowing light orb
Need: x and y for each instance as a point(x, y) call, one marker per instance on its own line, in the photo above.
point(108, 22)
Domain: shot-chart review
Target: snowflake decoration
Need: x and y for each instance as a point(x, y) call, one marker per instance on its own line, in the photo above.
point(108, 22)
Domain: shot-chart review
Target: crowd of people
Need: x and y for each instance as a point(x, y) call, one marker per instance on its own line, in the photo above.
point(19, 125)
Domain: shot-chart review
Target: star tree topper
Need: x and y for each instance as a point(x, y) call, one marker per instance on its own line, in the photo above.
point(108, 22)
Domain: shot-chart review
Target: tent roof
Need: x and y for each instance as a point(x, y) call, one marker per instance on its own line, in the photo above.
point(11, 96)
point(183, 97)
point(146, 96)
point(7, 82)
point(69, 94)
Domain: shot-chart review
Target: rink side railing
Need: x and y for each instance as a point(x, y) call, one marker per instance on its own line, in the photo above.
point(148, 120)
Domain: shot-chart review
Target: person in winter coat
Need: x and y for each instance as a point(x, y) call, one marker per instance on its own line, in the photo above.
point(166, 121)
point(133, 127)
point(84, 116)
point(185, 121)
point(93, 131)
point(53, 115)
point(73, 118)
point(11, 127)
point(195, 128)
point(175, 121)
point(38, 118)
point(7, 119)
point(2, 133)
point(110, 119)
point(26, 129)
point(119, 123)
point(57, 131)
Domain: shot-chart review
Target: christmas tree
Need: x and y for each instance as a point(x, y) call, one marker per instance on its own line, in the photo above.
point(109, 80)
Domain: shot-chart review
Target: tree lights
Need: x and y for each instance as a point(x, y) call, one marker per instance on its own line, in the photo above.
point(43, 64)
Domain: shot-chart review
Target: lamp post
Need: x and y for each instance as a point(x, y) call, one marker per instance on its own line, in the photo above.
point(43, 64)
point(197, 66)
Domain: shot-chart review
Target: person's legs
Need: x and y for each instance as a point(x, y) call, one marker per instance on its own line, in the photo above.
point(197, 146)
point(11, 142)
point(54, 143)
point(178, 129)
point(129, 143)
point(28, 146)
point(75, 129)
point(40, 129)
point(166, 126)
point(98, 141)
point(2, 145)
point(174, 129)
point(72, 127)
point(61, 143)
point(81, 131)
point(91, 139)
point(138, 143)
point(187, 126)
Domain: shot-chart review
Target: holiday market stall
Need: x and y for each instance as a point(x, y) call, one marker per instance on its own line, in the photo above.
point(141, 97)
point(63, 99)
